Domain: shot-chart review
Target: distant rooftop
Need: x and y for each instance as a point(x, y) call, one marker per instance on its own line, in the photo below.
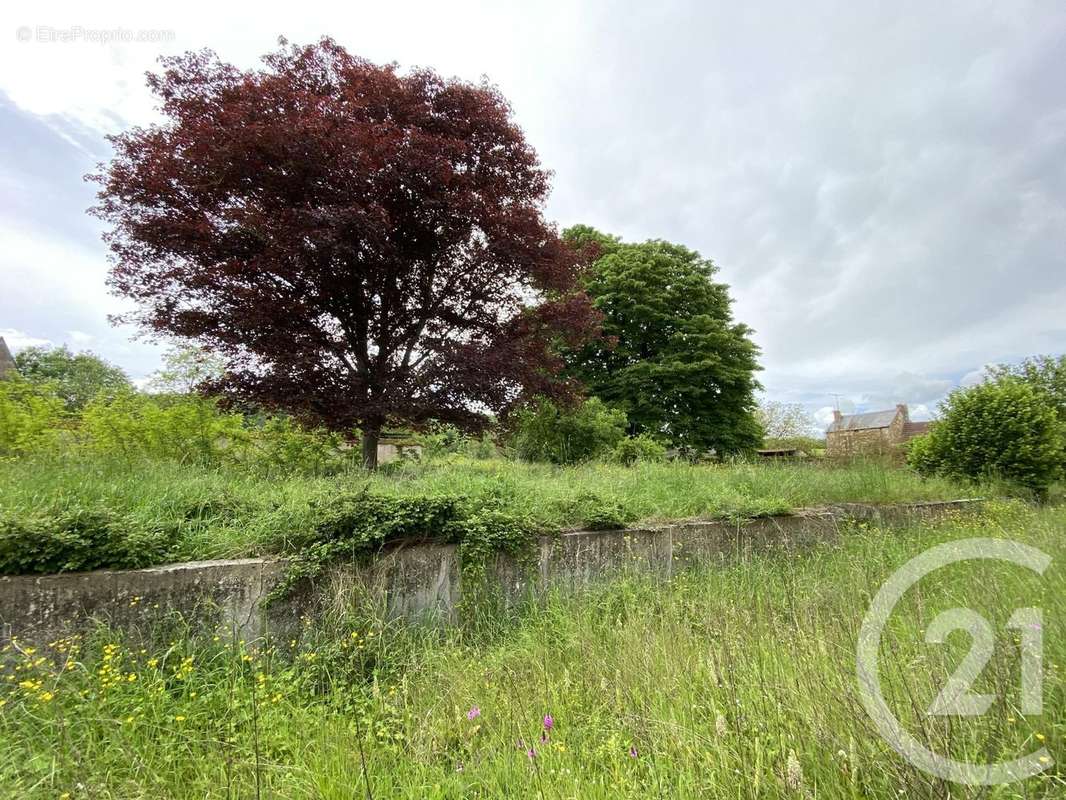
point(863, 422)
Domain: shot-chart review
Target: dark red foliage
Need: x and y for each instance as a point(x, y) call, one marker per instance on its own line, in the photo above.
point(364, 247)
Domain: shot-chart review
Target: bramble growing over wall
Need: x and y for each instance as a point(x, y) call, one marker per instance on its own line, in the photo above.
point(351, 527)
point(79, 538)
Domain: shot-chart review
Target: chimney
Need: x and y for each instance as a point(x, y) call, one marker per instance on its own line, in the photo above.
point(837, 416)
point(901, 408)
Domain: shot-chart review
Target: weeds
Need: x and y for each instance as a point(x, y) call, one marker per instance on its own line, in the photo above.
point(196, 512)
point(734, 682)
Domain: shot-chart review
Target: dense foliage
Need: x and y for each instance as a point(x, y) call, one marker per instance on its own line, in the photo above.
point(185, 429)
point(75, 378)
point(672, 357)
point(643, 447)
point(546, 432)
point(72, 538)
point(1046, 374)
point(363, 247)
point(1003, 429)
point(350, 527)
point(30, 418)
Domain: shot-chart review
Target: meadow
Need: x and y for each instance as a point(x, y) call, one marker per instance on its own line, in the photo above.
point(199, 512)
point(735, 682)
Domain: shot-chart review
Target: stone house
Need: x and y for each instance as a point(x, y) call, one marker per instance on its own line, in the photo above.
point(872, 433)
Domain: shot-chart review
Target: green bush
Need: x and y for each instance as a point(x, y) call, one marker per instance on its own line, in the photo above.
point(1002, 429)
point(30, 418)
point(448, 440)
point(566, 436)
point(78, 539)
point(282, 446)
point(187, 430)
point(638, 448)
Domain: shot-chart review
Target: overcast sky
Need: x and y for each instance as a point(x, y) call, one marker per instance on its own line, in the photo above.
point(882, 184)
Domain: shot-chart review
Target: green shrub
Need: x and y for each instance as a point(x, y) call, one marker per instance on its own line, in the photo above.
point(638, 448)
point(547, 433)
point(1003, 429)
point(448, 440)
point(351, 526)
point(78, 539)
point(282, 446)
point(441, 440)
point(187, 430)
point(30, 418)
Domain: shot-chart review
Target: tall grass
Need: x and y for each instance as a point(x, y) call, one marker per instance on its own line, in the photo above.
point(737, 682)
point(228, 512)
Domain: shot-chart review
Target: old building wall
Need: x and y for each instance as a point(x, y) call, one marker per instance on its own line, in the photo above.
point(872, 441)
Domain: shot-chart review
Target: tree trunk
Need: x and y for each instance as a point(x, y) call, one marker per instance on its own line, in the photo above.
point(370, 446)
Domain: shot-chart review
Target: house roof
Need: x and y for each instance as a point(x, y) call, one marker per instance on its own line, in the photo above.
point(862, 422)
point(7, 362)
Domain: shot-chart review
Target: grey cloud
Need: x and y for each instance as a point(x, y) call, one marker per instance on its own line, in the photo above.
point(882, 185)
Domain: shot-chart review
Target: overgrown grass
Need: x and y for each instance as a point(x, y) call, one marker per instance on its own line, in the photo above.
point(737, 682)
point(224, 512)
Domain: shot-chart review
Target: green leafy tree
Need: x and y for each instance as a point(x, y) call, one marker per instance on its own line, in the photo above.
point(546, 432)
point(1003, 428)
point(186, 367)
point(1047, 374)
point(672, 357)
point(75, 378)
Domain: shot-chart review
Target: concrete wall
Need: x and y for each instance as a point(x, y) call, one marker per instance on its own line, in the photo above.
point(413, 581)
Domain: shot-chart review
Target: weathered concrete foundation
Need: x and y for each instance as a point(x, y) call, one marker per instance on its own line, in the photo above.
point(414, 581)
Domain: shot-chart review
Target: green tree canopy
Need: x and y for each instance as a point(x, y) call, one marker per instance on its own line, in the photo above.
point(1046, 374)
point(75, 378)
point(185, 367)
point(1003, 428)
point(672, 358)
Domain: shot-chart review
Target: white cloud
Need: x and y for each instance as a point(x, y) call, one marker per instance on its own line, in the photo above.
point(974, 377)
point(19, 340)
point(824, 416)
point(883, 191)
